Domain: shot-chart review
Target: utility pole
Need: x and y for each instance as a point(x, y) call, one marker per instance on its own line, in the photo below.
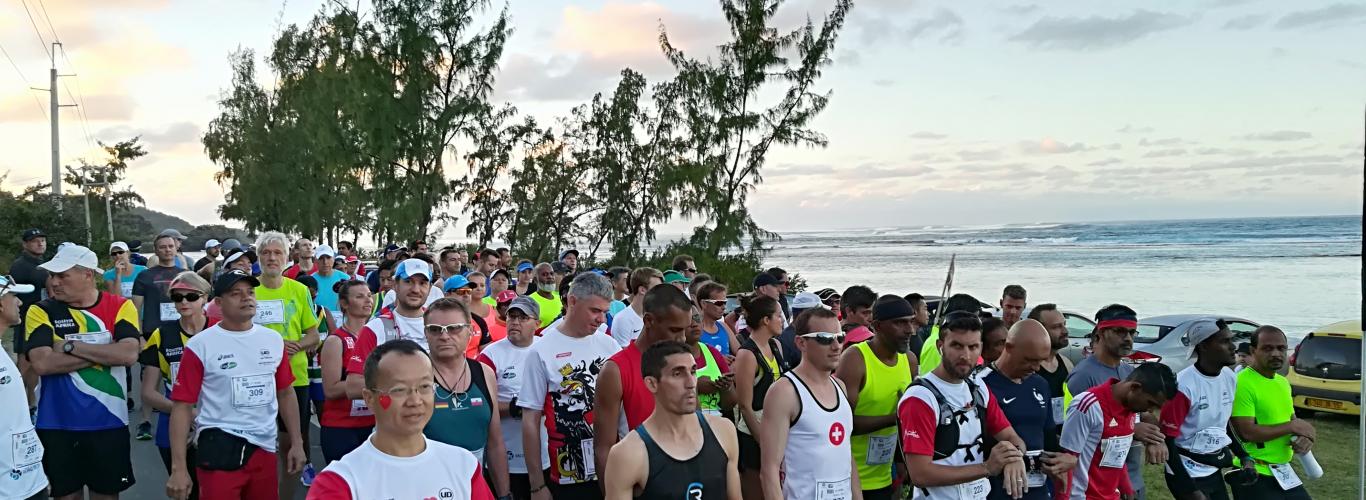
point(54, 107)
point(85, 190)
point(108, 195)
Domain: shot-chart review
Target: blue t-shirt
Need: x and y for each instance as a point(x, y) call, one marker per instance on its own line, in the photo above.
point(1028, 407)
point(125, 287)
point(616, 307)
point(327, 297)
point(717, 338)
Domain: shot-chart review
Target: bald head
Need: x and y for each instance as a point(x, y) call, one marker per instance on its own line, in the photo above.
point(1027, 346)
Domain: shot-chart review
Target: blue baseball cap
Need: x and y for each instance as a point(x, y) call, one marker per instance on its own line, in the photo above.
point(412, 267)
point(525, 266)
point(455, 282)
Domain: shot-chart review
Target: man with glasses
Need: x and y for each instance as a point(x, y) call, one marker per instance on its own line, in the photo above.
point(119, 279)
point(806, 423)
point(684, 264)
point(506, 357)
point(1113, 339)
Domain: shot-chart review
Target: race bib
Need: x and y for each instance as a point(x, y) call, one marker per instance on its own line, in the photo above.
point(92, 338)
point(359, 408)
point(1057, 410)
point(269, 312)
point(880, 450)
point(168, 312)
point(252, 390)
point(590, 467)
point(28, 450)
point(1115, 450)
point(1035, 478)
point(833, 490)
point(175, 371)
point(976, 490)
point(1210, 440)
point(126, 288)
point(1285, 476)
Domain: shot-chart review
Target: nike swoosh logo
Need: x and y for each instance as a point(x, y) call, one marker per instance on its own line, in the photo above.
point(1007, 401)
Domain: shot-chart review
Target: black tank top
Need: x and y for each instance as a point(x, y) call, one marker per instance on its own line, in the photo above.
point(765, 378)
point(702, 477)
point(1055, 378)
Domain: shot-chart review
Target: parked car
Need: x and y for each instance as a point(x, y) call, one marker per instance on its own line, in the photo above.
point(1325, 370)
point(1166, 339)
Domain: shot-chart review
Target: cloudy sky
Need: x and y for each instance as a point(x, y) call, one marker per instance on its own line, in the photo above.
point(942, 112)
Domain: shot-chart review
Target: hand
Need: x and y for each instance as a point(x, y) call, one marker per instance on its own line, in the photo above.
point(121, 266)
point(291, 348)
point(1303, 428)
point(1003, 454)
point(724, 383)
point(1156, 454)
point(1056, 465)
point(543, 494)
point(1150, 435)
point(179, 485)
point(730, 360)
point(1302, 445)
point(296, 459)
point(1013, 478)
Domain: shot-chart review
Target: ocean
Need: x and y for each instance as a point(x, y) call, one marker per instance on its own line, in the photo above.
point(1297, 273)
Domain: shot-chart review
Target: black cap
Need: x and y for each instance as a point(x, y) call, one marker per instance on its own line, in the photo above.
point(764, 279)
point(33, 233)
point(230, 278)
point(307, 281)
point(134, 245)
point(560, 267)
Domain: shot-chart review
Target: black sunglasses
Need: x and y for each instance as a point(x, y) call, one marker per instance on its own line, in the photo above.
point(190, 297)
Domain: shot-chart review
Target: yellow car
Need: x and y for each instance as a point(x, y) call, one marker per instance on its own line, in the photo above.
point(1325, 372)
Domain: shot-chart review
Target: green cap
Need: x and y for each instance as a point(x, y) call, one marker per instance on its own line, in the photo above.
point(675, 277)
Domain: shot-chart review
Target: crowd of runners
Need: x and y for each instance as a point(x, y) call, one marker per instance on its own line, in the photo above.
point(437, 375)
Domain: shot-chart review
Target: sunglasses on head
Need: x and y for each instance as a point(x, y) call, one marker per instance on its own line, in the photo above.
point(186, 297)
point(451, 329)
point(825, 338)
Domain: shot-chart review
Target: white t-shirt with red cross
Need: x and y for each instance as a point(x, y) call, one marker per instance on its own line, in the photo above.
point(1197, 418)
point(918, 412)
point(559, 376)
point(440, 472)
point(1100, 432)
point(235, 378)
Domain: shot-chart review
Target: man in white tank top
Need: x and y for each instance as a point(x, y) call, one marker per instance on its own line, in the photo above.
point(804, 436)
point(397, 461)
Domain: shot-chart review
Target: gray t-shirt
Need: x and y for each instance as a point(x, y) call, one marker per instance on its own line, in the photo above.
point(1090, 373)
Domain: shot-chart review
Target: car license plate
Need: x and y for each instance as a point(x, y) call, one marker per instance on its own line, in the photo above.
point(1323, 403)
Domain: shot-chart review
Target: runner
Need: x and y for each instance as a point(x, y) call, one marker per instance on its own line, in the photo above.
point(402, 321)
point(397, 461)
point(420, 247)
point(714, 377)
point(946, 416)
point(879, 370)
point(620, 389)
point(526, 278)
point(434, 291)
point(805, 430)
point(26, 479)
point(560, 377)
point(178, 259)
point(480, 309)
point(507, 357)
point(959, 302)
point(621, 289)
point(994, 332)
point(462, 290)
point(348, 249)
point(545, 295)
point(136, 257)
point(1055, 369)
point(1199, 439)
point(120, 277)
point(26, 270)
point(1243, 356)
point(497, 320)
point(922, 321)
point(302, 256)
point(1113, 339)
point(765, 285)
point(758, 364)
point(856, 310)
point(285, 306)
point(830, 298)
point(684, 263)
point(570, 258)
point(1025, 400)
point(345, 422)
point(1012, 304)
point(499, 282)
point(464, 414)
point(452, 262)
point(626, 325)
point(677, 279)
point(780, 287)
point(81, 341)
point(788, 338)
point(161, 356)
point(150, 286)
point(711, 300)
point(327, 277)
point(677, 452)
point(488, 261)
point(207, 264)
point(1100, 426)
point(350, 266)
point(1264, 415)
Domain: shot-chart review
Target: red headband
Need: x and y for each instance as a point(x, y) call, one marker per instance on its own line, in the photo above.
point(1127, 324)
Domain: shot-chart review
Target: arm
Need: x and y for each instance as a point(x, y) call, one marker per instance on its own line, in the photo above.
point(333, 385)
point(1254, 432)
point(151, 376)
point(851, 372)
point(121, 353)
point(289, 412)
point(606, 411)
point(629, 465)
point(179, 484)
point(310, 339)
point(497, 448)
point(745, 364)
point(724, 430)
point(730, 335)
point(46, 361)
point(779, 406)
point(531, 448)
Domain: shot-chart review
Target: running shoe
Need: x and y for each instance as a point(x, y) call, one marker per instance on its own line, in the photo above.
point(145, 431)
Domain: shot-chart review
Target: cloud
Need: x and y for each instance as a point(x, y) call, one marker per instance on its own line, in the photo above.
point(1332, 15)
point(848, 58)
point(567, 77)
point(1277, 136)
point(926, 135)
point(881, 171)
point(633, 28)
point(1245, 22)
point(1106, 162)
point(796, 170)
point(1165, 153)
point(1095, 32)
point(171, 137)
point(944, 22)
point(1021, 10)
point(1049, 146)
point(1169, 141)
point(1130, 129)
point(884, 82)
point(1352, 64)
point(980, 155)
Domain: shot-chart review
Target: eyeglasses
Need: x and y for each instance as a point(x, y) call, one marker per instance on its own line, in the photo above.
point(715, 302)
point(186, 297)
point(825, 338)
point(451, 329)
point(116, 254)
point(690, 270)
point(401, 393)
point(463, 291)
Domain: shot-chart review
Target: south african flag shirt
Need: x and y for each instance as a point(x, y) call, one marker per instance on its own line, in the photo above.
point(92, 398)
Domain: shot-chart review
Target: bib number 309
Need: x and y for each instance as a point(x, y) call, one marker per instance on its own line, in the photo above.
point(252, 390)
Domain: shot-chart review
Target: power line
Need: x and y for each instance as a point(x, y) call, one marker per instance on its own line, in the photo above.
point(36, 31)
point(47, 18)
point(28, 88)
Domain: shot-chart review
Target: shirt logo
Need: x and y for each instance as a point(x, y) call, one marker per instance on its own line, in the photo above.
point(1008, 400)
point(228, 366)
point(445, 493)
point(563, 355)
point(836, 433)
point(694, 492)
point(1113, 423)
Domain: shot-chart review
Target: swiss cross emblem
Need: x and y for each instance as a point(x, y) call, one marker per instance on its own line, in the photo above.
point(836, 433)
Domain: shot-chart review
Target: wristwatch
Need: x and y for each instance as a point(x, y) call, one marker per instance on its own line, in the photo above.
point(68, 347)
point(514, 411)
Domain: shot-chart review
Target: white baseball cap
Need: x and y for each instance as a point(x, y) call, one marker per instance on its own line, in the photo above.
point(806, 300)
point(8, 286)
point(212, 243)
point(70, 255)
point(412, 267)
point(118, 245)
point(324, 250)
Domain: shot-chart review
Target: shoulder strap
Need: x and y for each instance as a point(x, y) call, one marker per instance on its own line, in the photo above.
point(934, 392)
point(483, 329)
point(779, 356)
point(978, 405)
point(477, 377)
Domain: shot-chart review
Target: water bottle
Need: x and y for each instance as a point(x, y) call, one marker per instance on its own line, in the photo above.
point(1310, 465)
